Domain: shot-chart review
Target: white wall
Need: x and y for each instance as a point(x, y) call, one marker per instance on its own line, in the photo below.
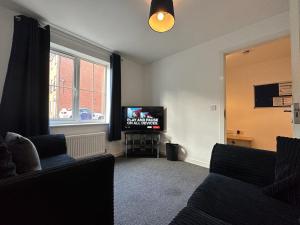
point(6, 24)
point(133, 84)
point(262, 124)
point(190, 83)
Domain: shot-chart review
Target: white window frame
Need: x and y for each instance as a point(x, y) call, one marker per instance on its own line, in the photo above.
point(77, 56)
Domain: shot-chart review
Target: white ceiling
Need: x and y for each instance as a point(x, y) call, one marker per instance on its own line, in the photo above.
point(121, 25)
point(279, 48)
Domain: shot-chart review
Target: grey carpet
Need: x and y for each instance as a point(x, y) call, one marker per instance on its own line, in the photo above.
point(153, 191)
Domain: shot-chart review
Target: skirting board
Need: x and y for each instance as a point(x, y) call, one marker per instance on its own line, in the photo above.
point(188, 160)
point(197, 162)
point(118, 154)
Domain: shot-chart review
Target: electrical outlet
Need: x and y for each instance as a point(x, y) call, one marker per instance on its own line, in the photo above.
point(213, 108)
point(297, 113)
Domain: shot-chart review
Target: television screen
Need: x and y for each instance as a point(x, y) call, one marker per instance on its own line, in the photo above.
point(142, 118)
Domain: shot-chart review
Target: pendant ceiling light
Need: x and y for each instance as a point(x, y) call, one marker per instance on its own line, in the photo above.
point(162, 17)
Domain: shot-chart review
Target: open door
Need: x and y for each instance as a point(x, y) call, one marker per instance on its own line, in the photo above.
point(258, 86)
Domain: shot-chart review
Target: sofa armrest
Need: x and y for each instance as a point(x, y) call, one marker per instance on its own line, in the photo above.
point(246, 164)
point(79, 193)
point(50, 145)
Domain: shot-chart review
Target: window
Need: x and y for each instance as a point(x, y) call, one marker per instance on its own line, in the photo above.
point(61, 87)
point(77, 88)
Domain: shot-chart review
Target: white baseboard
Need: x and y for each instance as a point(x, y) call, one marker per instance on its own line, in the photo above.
point(197, 162)
point(118, 154)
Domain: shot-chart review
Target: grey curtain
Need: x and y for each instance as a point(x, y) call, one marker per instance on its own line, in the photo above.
point(25, 99)
point(115, 111)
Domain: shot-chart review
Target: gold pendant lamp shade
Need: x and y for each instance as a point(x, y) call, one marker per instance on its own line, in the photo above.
point(162, 17)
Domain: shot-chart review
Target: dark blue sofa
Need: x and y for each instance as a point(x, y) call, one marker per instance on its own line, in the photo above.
point(64, 192)
point(232, 192)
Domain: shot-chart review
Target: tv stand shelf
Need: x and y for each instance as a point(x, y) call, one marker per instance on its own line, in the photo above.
point(142, 144)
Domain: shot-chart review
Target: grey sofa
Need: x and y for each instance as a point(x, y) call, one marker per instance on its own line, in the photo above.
point(232, 192)
point(65, 191)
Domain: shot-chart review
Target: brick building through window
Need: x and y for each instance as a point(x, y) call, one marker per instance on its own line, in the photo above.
point(63, 93)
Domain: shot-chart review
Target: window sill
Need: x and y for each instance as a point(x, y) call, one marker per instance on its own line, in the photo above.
point(76, 124)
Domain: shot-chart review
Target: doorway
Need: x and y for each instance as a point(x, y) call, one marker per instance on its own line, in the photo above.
point(258, 99)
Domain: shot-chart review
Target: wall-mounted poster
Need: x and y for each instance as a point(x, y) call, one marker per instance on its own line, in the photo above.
point(285, 89)
point(282, 101)
point(273, 95)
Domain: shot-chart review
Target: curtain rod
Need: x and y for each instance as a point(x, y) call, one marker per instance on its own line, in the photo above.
point(19, 18)
point(59, 30)
point(68, 34)
point(73, 35)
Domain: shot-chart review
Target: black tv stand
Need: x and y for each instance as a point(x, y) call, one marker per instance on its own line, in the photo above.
point(142, 144)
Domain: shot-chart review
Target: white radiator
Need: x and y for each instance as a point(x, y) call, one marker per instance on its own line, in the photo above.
point(84, 145)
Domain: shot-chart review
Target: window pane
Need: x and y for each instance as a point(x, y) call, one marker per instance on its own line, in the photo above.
point(99, 88)
point(92, 91)
point(61, 87)
point(86, 75)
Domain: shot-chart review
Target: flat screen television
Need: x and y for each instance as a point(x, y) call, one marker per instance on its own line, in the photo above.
point(142, 118)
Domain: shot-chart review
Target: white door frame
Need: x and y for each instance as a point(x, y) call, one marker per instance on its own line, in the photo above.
point(222, 86)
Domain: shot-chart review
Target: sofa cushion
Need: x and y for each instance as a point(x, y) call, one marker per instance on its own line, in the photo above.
point(49, 145)
point(240, 203)
point(7, 166)
point(24, 153)
point(286, 189)
point(192, 216)
point(286, 186)
point(250, 165)
point(57, 160)
point(287, 158)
